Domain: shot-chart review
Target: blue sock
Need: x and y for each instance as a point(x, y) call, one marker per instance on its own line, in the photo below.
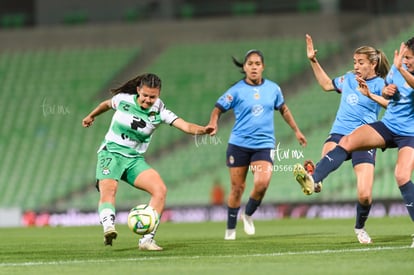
point(362, 212)
point(407, 192)
point(329, 163)
point(232, 217)
point(251, 206)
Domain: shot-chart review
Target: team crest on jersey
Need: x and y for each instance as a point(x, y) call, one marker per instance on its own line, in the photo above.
point(257, 109)
point(151, 116)
point(352, 99)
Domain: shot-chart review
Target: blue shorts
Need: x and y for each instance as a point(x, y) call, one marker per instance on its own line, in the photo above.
point(357, 156)
point(237, 156)
point(392, 140)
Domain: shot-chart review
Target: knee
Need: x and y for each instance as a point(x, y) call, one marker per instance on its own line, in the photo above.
point(365, 199)
point(237, 190)
point(401, 176)
point(160, 192)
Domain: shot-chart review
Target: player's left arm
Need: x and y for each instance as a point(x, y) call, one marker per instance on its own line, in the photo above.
point(288, 117)
point(364, 89)
point(191, 128)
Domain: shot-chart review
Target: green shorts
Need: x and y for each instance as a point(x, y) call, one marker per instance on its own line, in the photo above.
point(112, 165)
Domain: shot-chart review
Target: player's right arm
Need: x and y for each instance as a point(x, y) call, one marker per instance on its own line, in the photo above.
point(321, 76)
point(214, 117)
point(101, 108)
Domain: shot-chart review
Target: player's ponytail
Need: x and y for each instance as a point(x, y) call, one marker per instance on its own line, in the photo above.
point(130, 87)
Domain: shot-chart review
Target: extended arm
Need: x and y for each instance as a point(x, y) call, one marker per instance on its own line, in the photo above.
point(288, 117)
point(101, 108)
point(191, 128)
point(214, 117)
point(321, 76)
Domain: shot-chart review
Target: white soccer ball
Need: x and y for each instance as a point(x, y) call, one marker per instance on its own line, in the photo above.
point(142, 219)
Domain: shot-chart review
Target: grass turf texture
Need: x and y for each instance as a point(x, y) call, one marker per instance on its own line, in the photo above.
point(287, 246)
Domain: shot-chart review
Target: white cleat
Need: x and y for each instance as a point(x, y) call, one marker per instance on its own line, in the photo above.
point(110, 234)
point(230, 234)
point(362, 236)
point(148, 244)
point(248, 224)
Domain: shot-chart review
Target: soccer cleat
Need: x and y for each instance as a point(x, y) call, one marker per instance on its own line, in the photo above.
point(148, 244)
point(303, 179)
point(310, 168)
point(412, 245)
point(110, 234)
point(248, 224)
point(362, 236)
point(230, 234)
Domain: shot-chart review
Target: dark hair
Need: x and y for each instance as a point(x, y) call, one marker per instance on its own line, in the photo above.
point(378, 56)
point(410, 44)
point(130, 87)
point(246, 56)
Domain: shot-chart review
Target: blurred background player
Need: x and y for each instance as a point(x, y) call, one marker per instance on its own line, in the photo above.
point(355, 109)
point(138, 113)
point(394, 130)
point(253, 100)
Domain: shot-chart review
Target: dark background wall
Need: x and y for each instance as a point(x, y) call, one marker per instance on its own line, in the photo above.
point(29, 13)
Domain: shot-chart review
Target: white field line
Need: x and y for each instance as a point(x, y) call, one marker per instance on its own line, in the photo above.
point(156, 258)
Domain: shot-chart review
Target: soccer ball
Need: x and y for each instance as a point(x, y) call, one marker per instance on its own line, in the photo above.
point(142, 219)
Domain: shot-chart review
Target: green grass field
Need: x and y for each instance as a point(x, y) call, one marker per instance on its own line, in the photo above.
point(287, 246)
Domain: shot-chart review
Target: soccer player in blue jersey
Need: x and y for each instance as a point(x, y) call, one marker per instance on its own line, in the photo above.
point(138, 113)
point(252, 141)
point(394, 130)
point(355, 109)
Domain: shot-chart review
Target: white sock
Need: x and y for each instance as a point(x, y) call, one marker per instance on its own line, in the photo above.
point(107, 217)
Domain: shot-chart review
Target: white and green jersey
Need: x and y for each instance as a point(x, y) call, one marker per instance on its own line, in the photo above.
point(132, 127)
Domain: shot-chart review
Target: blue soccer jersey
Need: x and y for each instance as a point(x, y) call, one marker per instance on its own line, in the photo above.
point(399, 116)
point(355, 109)
point(253, 107)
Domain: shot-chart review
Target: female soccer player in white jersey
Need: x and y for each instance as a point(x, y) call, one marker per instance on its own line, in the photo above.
point(138, 112)
point(253, 100)
point(394, 130)
point(355, 109)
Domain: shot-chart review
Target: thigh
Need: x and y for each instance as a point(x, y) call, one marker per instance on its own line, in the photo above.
point(136, 166)
point(238, 175)
point(150, 181)
point(364, 137)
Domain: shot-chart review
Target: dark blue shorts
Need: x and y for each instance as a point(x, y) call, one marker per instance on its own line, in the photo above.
point(357, 156)
point(392, 140)
point(237, 156)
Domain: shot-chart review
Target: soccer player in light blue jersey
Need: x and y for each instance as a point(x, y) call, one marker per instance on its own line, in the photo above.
point(394, 130)
point(355, 109)
point(253, 100)
point(138, 113)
